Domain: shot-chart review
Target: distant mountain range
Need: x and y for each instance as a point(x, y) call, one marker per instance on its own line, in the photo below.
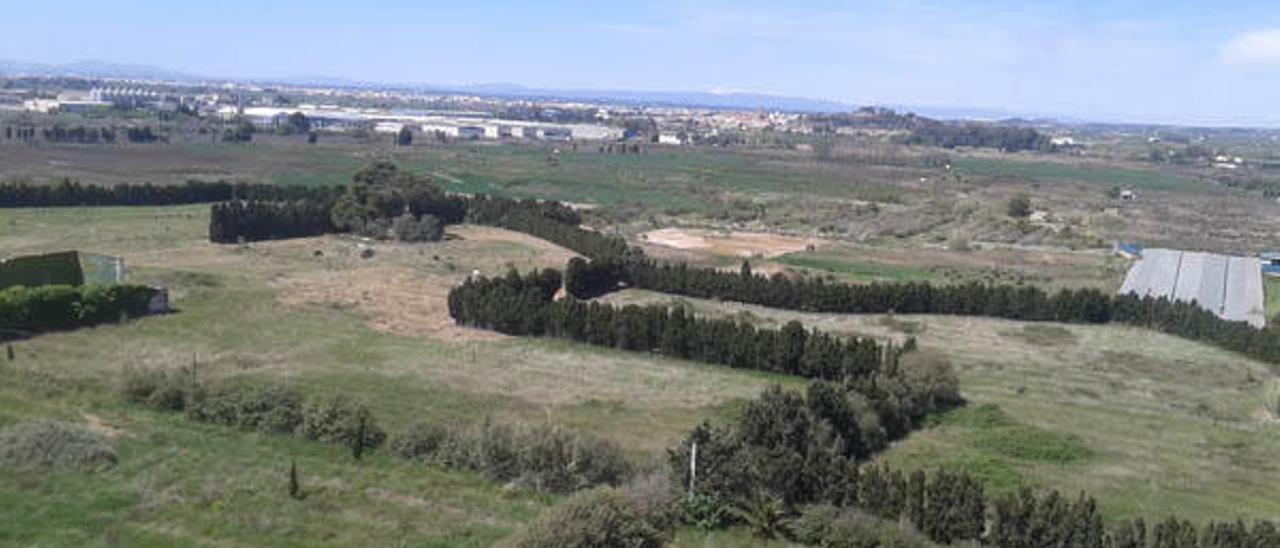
point(728, 100)
point(98, 69)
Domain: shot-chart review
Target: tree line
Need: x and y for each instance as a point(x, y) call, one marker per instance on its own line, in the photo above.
point(979, 135)
point(69, 193)
point(791, 453)
point(79, 134)
point(1026, 303)
point(255, 220)
point(518, 304)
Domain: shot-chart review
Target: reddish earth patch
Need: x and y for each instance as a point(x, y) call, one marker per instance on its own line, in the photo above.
point(735, 244)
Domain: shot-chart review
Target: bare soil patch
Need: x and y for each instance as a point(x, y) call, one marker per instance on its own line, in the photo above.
point(551, 252)
point(736, 244)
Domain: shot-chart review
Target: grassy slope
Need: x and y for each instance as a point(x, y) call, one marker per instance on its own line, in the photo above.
point(1150, 424)
point(186, 483)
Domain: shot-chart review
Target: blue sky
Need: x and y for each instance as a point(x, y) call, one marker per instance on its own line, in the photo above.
point(1180, 62)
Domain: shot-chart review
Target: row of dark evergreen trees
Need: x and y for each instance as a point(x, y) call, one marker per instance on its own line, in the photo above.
point(524, 305)
point(68, 193)
point(252, 220)
point(1026, 303)
point(551, 221)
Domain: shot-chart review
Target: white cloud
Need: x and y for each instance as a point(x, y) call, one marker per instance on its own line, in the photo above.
point(1253, 48)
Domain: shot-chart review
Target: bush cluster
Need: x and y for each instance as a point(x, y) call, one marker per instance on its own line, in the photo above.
point(56, 307)
point(832, 527)
point(543, 457)
point(270, 408)
point(51, 445)
point(602, 517)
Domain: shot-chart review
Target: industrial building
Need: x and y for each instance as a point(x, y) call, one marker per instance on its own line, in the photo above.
point(1230, 287)
point(1270, 263)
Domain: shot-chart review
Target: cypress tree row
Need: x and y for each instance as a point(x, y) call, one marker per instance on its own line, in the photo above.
point(523, 305)
point(70, 193)
point(235, 221)
point(1025, 303)
point(551, 221)
point(795, 450)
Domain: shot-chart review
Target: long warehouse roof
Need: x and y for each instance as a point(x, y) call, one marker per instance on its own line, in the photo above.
point(1230, 287)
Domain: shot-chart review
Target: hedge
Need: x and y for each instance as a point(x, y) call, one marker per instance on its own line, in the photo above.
point(31, 310)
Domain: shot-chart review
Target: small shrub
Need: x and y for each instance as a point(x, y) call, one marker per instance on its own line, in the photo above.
point(338, 420)
point(488, 448)
point(833, 527)
point(295, 487)
point(274, 409)
point(1019, 207)
point(218, 405)
point(703, 511)
point(50, 445)
point(597, 518)
point(653, 498)
point(139, 384)
point(162, 389)
point(420, 442)
point(557, 460)
point(763, 513)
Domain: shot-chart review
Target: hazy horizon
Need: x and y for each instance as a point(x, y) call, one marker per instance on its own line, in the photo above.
point(1129, 61)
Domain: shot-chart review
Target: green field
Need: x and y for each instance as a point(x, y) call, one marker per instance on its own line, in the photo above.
point(661, 177)
point(1150, 424)
point(1058, 172)
point(856, 271)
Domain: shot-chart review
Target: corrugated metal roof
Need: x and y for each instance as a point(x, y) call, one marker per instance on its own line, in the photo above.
point(1230, 287)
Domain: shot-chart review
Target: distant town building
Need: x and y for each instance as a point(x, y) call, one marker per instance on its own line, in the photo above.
point(562, 134)
point(473, 133)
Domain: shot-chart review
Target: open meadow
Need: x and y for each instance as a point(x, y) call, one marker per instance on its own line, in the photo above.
point(375, 329)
